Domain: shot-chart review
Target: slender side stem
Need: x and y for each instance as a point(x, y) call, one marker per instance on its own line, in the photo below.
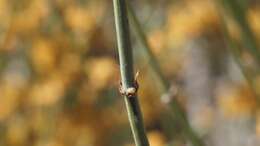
point(147, 49)
point(236, 52)
point(127, 69)
point(248, 37)
point(174, 105)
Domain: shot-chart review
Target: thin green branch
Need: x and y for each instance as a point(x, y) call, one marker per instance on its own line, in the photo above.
point(173, 104)
point(236, 52)
point(127, 69)
point(239, 14)
point(147, 49)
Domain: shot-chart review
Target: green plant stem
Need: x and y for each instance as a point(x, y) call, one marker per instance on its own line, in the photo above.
point(179, 114)
point(127, 69)
point(147, 49)
point(173, 104)
point(236, 52)
point(239, 14)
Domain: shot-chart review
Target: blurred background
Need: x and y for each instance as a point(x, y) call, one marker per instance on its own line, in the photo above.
point(59, 72)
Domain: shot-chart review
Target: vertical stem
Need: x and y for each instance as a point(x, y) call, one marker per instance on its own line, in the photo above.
point(173, 104)
point(147, 49)
point(236, 52)
point(126, 69)
point(248, 37)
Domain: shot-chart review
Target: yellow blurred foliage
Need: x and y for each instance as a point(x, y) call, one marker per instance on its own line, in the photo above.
point(253, 18)
point(34, 14)
point(238, 102)
point(257, 84)
point(8, 100)
point(47, 92)
point(156, 138)
point(70, 65)
point(17, 132)
point(190, 20)
point(79, 19)
point(101, 72)
point(44, 56)
point(156, 40)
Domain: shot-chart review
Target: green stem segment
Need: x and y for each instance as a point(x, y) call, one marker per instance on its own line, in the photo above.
point(127, 72)
point(147, 49)
point(248, 38)
point(173, 104)
point(236, 52)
